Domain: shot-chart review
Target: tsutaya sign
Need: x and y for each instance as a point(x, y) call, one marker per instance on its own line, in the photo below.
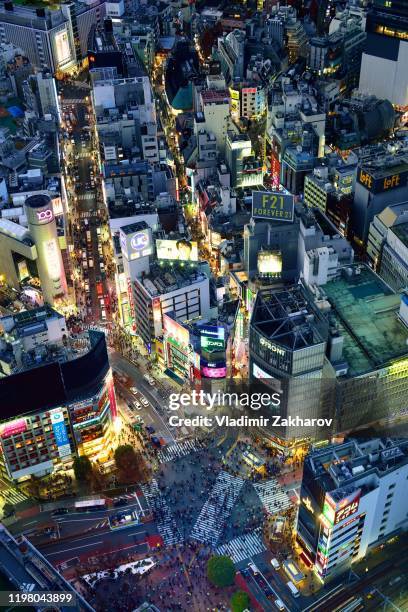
point(271, 347)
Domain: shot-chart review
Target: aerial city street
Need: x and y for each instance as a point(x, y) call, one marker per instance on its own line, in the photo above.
point(204, 305)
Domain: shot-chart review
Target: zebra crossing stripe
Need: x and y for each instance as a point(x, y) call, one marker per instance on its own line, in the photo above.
point(272, 496)
point(179, 449)
point(216, 510)
point(166, 525)
point(243, 547)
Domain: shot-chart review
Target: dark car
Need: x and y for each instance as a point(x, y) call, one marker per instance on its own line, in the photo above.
point(150, 429)
point(60, 511)
point(122, 501)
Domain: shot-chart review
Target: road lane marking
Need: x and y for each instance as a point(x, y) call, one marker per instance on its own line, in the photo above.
point(75, 548)
point(80, 520)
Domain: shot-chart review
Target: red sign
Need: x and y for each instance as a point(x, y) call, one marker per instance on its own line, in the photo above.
point(112, 399)
point(13, 428)
point(346, 511)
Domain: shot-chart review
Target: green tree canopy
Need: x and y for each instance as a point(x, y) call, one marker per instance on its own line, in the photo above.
point(221, 571)
point(239, 601)
point(125, 457)
point(82, 468)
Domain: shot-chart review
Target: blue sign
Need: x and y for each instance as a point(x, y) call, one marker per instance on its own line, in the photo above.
point(139, 241)
point(59, 428)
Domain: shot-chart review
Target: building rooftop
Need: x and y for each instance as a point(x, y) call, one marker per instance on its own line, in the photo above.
point(134, 227)
point(365, 310)
point(287, 318)
point(339, 467)
point(166, 277)
point(401, 231)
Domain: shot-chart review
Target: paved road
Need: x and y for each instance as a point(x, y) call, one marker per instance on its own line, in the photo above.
point(155, 414)
point(88, 206)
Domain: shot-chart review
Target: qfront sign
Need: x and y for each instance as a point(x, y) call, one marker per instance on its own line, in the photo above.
point(272, 205)
point(271, 347)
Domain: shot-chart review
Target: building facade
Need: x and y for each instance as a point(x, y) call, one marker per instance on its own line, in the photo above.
point(57, 404)
point(351, 499)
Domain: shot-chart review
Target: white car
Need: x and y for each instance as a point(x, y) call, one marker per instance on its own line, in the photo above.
point(133, 390)
point(137, 406)
point(144, 401)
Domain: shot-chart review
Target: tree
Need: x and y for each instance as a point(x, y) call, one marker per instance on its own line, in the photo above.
point(239, 601)
point(131, 466)
point(221, 571)
point(82, 468)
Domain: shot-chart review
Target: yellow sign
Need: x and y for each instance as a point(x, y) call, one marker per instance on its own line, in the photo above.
point(391, 181)
point(366, 179)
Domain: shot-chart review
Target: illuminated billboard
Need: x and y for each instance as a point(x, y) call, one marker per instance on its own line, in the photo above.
point(136, 244)
point(60, 432)
point(272, 205)
point(208, 372)
point(337, 512)
point(270, 263)
point(259, 373)
point(175, 333)
point(52, 257)
point(212, 338)
point(177, 250)
point(63, 47)
point(13, 428)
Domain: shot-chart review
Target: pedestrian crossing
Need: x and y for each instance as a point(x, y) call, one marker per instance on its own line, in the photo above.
point(166, 525)
point(68, 101)
point(243, 547)
point(86, 196)
point(179, 449)
point(99, 525)
point(13, 496)
point(89, 214)
point(216, 510)
point(272, 496)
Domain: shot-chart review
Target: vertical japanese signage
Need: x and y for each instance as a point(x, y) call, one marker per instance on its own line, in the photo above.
point(60, 432)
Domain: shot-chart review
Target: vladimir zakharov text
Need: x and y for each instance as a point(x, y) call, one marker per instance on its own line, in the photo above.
point(246, 421)
point(254, 401)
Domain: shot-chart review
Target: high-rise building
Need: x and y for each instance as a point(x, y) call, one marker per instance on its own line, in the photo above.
point(214, 116)
point(287, 346)
point(56, 393)
point(351, 499)
point(377, 235)
point(182, 289)
point(383, 66)
point(245, 169)
point(43, 229)
point(381, 181)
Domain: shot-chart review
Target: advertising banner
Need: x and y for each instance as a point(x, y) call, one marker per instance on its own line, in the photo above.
point(273, 205)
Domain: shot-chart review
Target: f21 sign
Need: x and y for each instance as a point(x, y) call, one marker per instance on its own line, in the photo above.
point(272, 205)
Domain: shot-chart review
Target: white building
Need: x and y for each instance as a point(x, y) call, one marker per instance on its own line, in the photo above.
point(215, 115)
point(179, 289)
point(353, 497)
